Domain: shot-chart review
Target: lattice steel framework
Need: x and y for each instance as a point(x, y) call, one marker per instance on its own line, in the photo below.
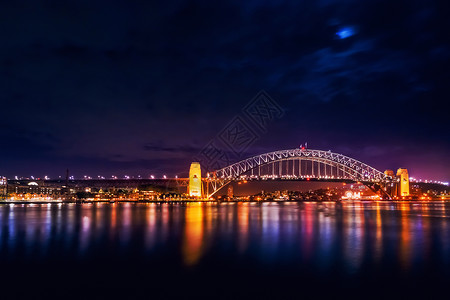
point(347, 167)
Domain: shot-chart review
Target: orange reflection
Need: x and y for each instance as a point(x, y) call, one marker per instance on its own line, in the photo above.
point(242, 211)
point(379, 234)
point(113, 220)
point(405, 240)
point(165, 214)
point(308, 229)
point(209, 220)
point(151, 225)
point(193, 235)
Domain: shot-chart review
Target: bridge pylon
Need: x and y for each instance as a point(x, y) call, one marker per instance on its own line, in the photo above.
point(195, 188)
point(403, 182)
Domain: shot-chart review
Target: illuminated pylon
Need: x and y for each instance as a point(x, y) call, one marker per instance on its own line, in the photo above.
point(195, 180)
point(403, 185)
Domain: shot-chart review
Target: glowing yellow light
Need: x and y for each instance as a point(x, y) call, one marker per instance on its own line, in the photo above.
point(195, 180)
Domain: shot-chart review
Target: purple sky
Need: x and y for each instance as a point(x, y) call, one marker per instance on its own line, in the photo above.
point(141, 88)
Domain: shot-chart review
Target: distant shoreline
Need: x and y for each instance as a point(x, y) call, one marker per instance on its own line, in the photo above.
point(5, 202)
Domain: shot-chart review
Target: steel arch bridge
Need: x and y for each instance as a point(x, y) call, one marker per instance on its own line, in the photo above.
point(298, 164)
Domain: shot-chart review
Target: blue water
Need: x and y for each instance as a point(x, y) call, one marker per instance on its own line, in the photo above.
point(228, 250)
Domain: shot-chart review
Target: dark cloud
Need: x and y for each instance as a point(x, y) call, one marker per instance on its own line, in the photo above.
point(141, 85)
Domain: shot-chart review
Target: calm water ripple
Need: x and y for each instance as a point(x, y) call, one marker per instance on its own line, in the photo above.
point(297, 240)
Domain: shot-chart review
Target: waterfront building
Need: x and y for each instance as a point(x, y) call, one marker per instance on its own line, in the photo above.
point(230, 191)
point(3, 187)
point(33, 190)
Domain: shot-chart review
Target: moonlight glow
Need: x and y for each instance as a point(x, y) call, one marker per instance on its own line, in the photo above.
point(345, 32)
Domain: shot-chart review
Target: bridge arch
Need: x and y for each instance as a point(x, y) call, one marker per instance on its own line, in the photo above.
point(352, 168)
point(341, 167)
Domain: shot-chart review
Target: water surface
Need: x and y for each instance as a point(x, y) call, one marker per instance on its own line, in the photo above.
point(226, 250)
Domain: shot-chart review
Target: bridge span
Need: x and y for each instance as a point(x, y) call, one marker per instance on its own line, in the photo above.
point(299, 164)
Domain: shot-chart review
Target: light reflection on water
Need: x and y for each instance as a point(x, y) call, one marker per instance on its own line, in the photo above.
point(320, 235)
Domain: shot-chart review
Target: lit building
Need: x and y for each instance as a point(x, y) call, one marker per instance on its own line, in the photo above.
point(230, 192)
point(403, 184)
point(34, 190)
point(3, 186)
point(195, 180)
point(389, 173)
point(391, 185)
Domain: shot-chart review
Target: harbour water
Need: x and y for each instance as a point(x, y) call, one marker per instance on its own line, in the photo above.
point(225, 250)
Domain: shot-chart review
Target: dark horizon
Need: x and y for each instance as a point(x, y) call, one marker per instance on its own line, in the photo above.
point(120, 88)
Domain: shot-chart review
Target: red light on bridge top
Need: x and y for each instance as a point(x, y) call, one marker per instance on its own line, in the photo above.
point(307, 179)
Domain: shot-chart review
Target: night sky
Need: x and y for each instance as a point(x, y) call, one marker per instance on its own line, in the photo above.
point(140, 87)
